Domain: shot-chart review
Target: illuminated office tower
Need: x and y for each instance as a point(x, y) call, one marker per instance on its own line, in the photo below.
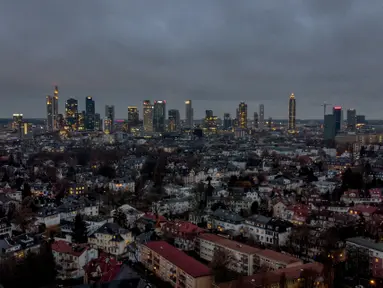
point(351, 119)
point(189, 114)
point(90, 111)
point(337, 112)
point(133, 117)
point(55, 107)
point(148, 116)
point(210, 121)
point(109, 114)
point(292, 114)
point(261, 116)
point(256, 120)
point(49, 106)
point(159, 115)
point(173, 120)
point(242, 115)
point(227, 122)
point(80, 118)
point(329, 127)
point(17, 123)
point(71, 110)
point(97, 122)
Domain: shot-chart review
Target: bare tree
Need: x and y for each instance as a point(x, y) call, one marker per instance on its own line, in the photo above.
point(223, 260)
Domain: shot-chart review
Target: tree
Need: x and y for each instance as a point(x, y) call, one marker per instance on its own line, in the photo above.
point(254, 207)
point(119, 217)
point(107, 171)
point(221, 263)
point(282, 281)
point(80, 234)
point(24, 217)
point(26, 192)
point(308, 276)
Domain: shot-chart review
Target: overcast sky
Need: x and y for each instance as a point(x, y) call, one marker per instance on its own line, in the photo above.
point(215, 52)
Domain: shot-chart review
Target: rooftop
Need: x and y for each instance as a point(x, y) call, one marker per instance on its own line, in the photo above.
point(179, 259)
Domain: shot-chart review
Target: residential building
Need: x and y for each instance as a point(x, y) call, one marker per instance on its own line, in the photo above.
point(225, 221)
point(71, 258)
point(111, 238)
point(275, 260)
point(5, 228)
point(174, 266)
point(243, 255)
point(184, 233)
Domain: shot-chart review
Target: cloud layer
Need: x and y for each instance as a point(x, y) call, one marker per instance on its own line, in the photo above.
point(215, 52)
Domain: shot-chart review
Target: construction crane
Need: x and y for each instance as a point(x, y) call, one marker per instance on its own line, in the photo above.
point(324, 105)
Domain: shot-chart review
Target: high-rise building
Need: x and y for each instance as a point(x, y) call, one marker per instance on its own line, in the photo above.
point(55, 107)
point(81, 117)
point(329, 127)
point(351, 119)
point(49, 106)
point(360, 119)
point(17, 123)
point(227, 122)
point(242, 115)
point(107, 125)
point(90, 111)
point(256, 120)
point(71, 110)
point(292, 114)
point(173, 120)
point(109, 114)
point(210, 121)
point(133, 117)
point(337, 112)
point(148, 116)
point(159, 116)
point(97, 122)
point(189, 114)
point(261, 116)
point(270, 123)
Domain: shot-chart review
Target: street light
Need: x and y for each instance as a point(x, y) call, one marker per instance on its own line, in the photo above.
point(372, 282)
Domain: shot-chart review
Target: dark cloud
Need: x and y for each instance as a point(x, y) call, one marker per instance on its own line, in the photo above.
point(216, 52)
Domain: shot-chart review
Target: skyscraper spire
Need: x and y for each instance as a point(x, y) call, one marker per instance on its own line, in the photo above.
point(292, 114)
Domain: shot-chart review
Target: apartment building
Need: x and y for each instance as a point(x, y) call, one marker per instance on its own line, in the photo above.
point(243, 255)
point(174, 266)
point(275, 260)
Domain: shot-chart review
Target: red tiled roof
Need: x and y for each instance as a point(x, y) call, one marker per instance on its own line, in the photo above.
point(109, 267)
point(179, 259)
point(61, 246)
point(364, 209)
point(230, 244)
point(183, 227)
point(276, 256)
point(153, 217)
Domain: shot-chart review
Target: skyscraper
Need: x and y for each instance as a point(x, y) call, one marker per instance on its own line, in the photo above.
point(261, 116)
point(159, 116)
point(71, 110)
point(292, 114)
point(97, 122)
point(337, 112)
point(49, 106)
point(210, 121)
point(133, 117)
point(351, 119)
point(17, 123)
point(173, 120)
point(109, 114)
point(329, 127)
point(256, 120)
point(189, 114)
point(148, 116)
point(227, 122)
point(242, 115)
point(270, 123)
point(55, 107)
point(90, 111)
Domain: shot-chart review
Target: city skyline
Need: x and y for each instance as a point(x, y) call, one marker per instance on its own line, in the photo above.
point(121, 53)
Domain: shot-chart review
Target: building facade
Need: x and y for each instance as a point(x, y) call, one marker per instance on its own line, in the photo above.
point(292, 114)
point(189, 114)
point(159, 116)
point(148, 116)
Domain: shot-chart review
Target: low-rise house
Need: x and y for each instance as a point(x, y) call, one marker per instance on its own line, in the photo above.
point(225, 222)
point(48, 216)
point(184, 233)
point(71, 259)
point(5, 228)
point(172, 206)
point(243, 255)
point(102, 269)
point(174, 266)
point(20, 245)
point(111, 238)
